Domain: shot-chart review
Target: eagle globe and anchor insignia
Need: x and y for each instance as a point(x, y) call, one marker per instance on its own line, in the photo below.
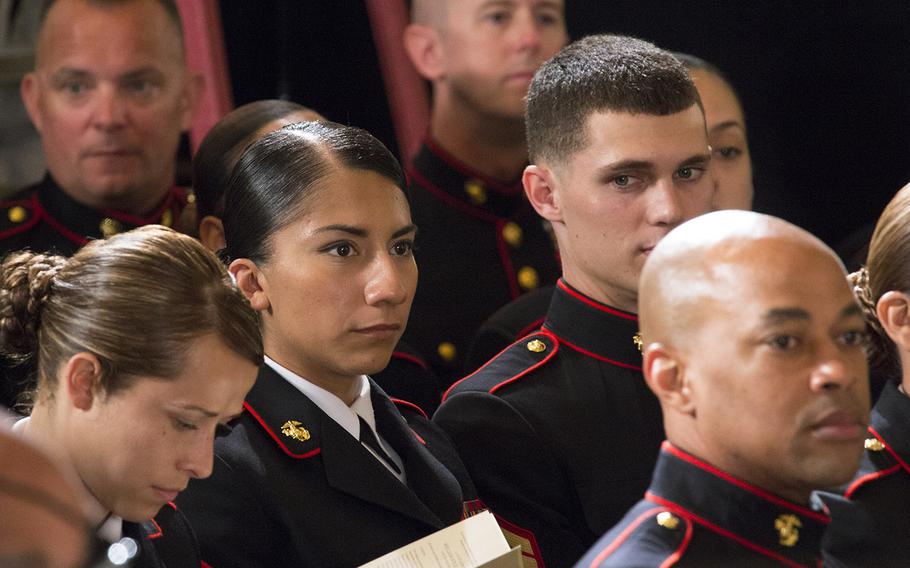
point(295, 429)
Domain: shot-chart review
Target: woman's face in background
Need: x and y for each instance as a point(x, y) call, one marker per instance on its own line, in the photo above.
point(340, 278)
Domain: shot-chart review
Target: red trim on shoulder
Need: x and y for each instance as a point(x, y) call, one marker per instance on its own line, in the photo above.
point(465, 170)
point(779, 501)
point(584, 351)
point(410, 405)
point(159, 533)
point(204, 564)
point(868, 478)
point(411, 358)
point(506, 261)
point(525, 534)
point(674, 558)
point(890, 450)
point(419, 437)
point(57, 225)
point(446, 394)
point(274, 436)
point(452, 201)
point(21, 228)
point(677, 509)
point(531, 327)
point(532, 367)
point(593, 303)
point(619, 540)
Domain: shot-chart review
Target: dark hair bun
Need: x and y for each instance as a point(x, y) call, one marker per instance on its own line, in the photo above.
point(26, 279)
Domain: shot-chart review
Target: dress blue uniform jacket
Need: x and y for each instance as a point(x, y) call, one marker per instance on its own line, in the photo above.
point(312, 495)
point(167, 541)
point(874, 530)
point(559, 432)
point(696, 515)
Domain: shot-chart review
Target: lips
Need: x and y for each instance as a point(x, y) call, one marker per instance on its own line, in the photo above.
point(840, 426)
point(166, 494)
point(379, 330)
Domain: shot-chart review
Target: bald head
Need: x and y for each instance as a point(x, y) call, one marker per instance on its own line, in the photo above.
point(429, 12)
point(41, 520)
point(754, 345)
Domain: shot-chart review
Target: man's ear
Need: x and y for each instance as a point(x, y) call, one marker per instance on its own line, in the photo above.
point(29, 90)
point(211, 233)
point(81, 377)
point(541, 188)
point(893, 312)
point(193, 89)
point(424, 48)
point(252, 282)
point(665, 374)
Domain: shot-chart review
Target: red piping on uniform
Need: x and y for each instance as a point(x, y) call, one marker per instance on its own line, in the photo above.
point(465, 170)
point(596, 305)
point(617, 542)
point(532, 367)
point(274, 436)
point(595, 355)
point(671, 449)
point(860, 481)
point(452, 201)
point(446, 394)
point(412, 358)
point(58, 226)
point(136, 220)
point(533, 326)
point(159, 532)
point(723, 532)
point(674, 558)
point(506, 260)
point(890, 450)
point(410, 405)
point(36, 216)
point(204, 564)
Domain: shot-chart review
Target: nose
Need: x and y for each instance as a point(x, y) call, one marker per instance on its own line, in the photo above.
point(835, 371)
point(198, 460)
point(110, 109)
point(387, 281)
point(527, 31)
point(664, 205)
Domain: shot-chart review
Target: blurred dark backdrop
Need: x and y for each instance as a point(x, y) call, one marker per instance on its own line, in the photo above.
point(824, 83)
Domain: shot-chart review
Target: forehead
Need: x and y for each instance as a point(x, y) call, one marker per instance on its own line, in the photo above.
point(356, 197)
point(455, 8)
point(613, 137)
point(115, 37)
point(720, 102)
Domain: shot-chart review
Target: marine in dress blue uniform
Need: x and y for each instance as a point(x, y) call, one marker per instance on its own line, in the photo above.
point(696, 515)
point(873, 531)
point(480, 246)
point(559, 432)
point(291, 487)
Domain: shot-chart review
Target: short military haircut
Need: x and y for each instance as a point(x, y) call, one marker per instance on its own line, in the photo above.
point(170, 7)
point(600, 73)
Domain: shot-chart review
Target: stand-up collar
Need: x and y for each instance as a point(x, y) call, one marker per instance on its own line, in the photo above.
point(891, 423)
point(79, 223)
point(593, 328)
point(460, 186)
point(753, 517)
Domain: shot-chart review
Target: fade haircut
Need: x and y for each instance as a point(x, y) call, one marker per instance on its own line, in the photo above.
point(170, 7)
point(600, 73)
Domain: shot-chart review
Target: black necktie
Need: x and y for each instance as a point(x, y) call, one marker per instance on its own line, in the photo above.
point(369, 438)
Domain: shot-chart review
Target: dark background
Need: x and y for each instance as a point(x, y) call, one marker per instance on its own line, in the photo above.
point(824, 83)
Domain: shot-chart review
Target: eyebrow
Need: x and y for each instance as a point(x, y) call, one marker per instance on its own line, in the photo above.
point(727, 124)
point(65, 73)
point(361, 232)
point(779, 316)
point(199, 409)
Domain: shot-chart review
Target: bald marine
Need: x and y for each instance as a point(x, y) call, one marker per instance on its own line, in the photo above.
point(754, 345)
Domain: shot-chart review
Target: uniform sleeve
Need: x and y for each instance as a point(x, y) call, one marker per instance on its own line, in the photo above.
point(515, 476)
point(229, 523)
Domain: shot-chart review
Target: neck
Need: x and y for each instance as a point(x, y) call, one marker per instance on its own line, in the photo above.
point(134, 201)
point(493, 146)
point(591, 287)
point(345, 387)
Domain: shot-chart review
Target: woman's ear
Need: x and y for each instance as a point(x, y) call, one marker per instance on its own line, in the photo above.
point(666, 377)
point(252, 282)
point(211, 233)
point(892, 312)
point(81, 377)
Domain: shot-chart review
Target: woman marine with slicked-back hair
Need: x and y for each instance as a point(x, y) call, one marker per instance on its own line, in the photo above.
point(144, 348)
point(875, 531)
point(323, 469)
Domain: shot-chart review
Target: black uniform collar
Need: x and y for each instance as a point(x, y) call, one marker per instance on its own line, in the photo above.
point(79, 223)
point(891, 423)
point(464, 188)
point(593, 328)
point(737, 510)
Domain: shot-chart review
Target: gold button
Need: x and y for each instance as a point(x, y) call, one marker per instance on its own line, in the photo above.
point(537, 346)
point(874, 445)
point(110, 227)
point(17, 214)
point(668, 520)
point(447, 351)
point(637, 340)
point(512, 234)
point(476, 191)
point(528, 278)
point(191, 198)
point(167, 218)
